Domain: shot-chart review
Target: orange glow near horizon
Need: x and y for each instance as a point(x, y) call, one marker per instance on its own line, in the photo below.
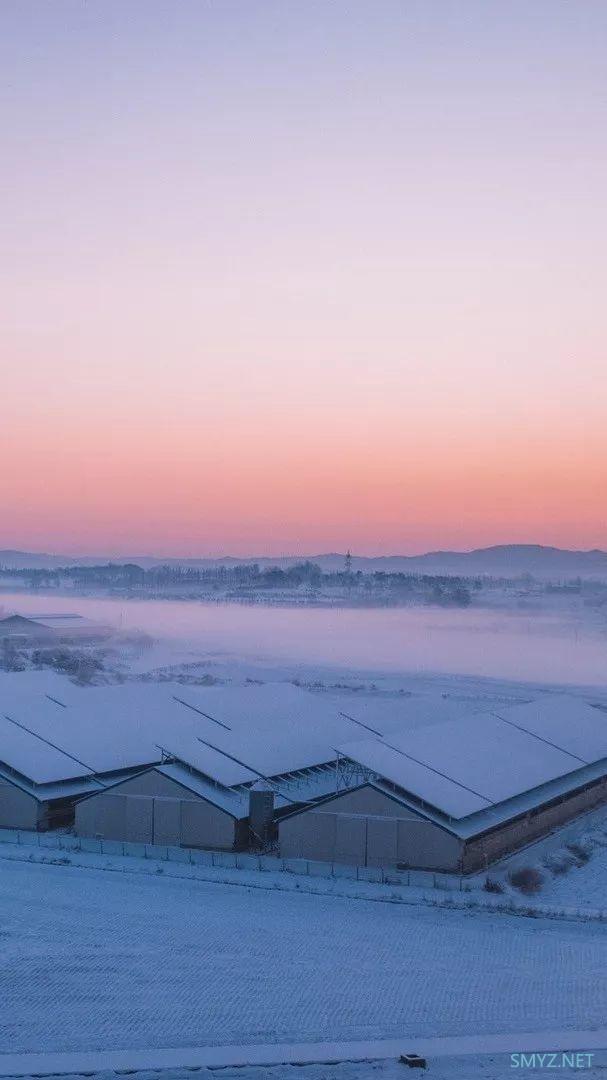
point(275, 284)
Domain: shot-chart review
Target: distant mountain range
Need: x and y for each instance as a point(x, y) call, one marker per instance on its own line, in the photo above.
point(502, 560)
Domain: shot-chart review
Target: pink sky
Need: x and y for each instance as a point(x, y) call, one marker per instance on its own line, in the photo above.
point(296, 278)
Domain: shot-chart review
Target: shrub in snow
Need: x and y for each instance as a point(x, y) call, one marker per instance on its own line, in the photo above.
point(79, 665)
point(581, 851)
point(527, 879)
point(560, 862)
point(493, 886)
point(10, 658)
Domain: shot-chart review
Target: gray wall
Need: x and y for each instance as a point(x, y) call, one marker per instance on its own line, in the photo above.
point(152, 809)
point(153, 783)
point(18, 810)
point(349, 829)
point(368, 800)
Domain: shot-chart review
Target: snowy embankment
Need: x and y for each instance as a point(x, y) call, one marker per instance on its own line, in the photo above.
point(291, 875)
point(95, 960)
point(568, 867)
point(478, 1054)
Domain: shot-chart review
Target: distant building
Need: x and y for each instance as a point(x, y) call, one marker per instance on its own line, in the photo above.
point(52, 629)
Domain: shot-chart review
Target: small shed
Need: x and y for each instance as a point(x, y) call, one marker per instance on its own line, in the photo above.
point(52, 629)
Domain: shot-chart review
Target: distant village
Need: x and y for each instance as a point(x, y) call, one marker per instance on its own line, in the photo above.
point(304, 583)
point(308, 584)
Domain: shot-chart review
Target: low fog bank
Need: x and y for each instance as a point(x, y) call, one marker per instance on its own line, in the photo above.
point(541, 646)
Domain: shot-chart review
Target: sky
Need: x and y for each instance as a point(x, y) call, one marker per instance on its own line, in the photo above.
point(283, 277)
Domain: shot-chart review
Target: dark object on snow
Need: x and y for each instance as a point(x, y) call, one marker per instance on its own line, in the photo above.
point(414, 1061)
point(527, 879)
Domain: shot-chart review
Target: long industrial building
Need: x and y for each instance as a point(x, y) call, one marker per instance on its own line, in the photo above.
point(224, 750)
point(455, 796)
point(387, 781)
point(161, 763)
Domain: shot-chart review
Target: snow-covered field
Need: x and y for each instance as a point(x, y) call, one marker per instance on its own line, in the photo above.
point(97, 960)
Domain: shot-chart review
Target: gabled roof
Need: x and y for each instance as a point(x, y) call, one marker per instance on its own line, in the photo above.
point(22, 625)
point(62, 789)
point(484, 820)
point(39, 760)
point(235, 803)
point(464, 767)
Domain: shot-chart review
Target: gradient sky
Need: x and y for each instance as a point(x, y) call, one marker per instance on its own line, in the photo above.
point(301, 275)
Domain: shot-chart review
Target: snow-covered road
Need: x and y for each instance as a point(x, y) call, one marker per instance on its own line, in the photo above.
point(110, 961)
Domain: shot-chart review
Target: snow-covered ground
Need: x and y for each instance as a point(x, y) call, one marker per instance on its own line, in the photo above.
point(465, 1067)
point(94, 960)
point(572, 862)
point(485, 1067)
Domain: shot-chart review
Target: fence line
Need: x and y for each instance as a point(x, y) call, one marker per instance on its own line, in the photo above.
point(349, 874)
point(234, 860)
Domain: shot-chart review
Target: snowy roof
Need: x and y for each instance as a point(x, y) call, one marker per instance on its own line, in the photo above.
point(60, 623)
point(234, 734)
point(481, 760)
point(432, 787)
point(245, 731)
point(271, 729)
point(576, 727)
point(34, 758)
point(64, 621)
point(278, 728)
point(397, 712)
point(234, 802)
point(20, 624)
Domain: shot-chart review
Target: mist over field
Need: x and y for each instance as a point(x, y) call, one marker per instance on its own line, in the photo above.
point(552, 647)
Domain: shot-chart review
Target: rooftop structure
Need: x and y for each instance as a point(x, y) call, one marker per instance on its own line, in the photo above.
point(469, 789)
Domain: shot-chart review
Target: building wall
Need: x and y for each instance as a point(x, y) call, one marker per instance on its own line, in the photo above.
point(366, 828)
point(155, 816)
point(153, 783)
point(362, 828)
point(18, 810)
point(484, 850)
point(368, 800)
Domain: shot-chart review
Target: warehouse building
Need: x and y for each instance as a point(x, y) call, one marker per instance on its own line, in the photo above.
point(52, 629)
point(419, 782)
point(173, 803)
point(240, 743)
point(455, 796)
point(217, 746)
point(161, 763)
